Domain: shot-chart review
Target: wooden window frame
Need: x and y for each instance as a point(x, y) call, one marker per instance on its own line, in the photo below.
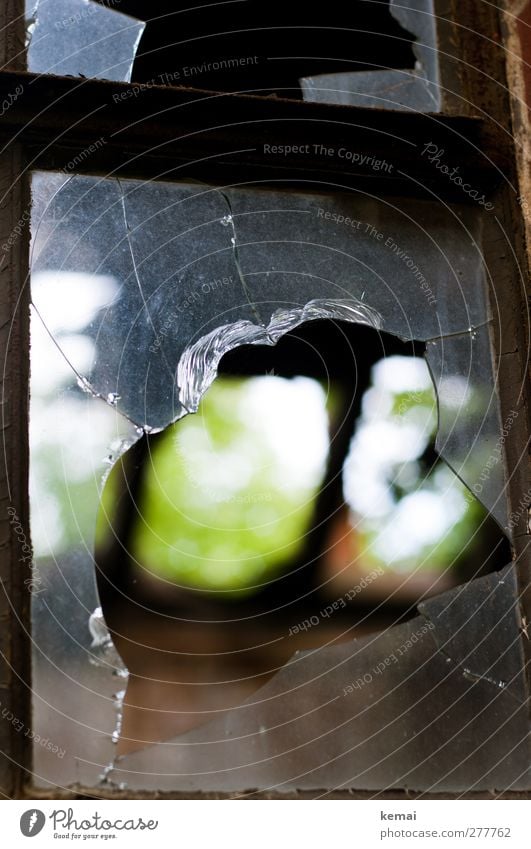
point(34, 135)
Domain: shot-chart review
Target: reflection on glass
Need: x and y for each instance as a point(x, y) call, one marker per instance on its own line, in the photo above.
point(62, 477)
point(409, 510)
point(81, 38)
point(74, 439)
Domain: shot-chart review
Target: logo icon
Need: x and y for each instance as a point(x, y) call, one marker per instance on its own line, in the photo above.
point(32, 822)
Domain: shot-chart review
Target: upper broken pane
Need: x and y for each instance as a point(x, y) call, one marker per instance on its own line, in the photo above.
point(81, 38)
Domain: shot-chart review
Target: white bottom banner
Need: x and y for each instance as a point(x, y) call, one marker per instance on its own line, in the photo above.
point(263, 824)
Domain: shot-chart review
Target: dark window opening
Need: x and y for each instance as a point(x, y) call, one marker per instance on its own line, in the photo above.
point(258, 526)
point(264, 47)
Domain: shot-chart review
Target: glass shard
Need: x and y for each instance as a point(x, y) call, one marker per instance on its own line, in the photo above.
point(418, 89)
point(81, 38)
point(139, 290)
point(410, 708)
point(198, 365)
point(472, 443)
point(74, 439)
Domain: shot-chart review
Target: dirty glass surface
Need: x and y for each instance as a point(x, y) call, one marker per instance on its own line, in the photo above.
point(436, 704)
point(410, 513)
point(472, 444)
point(193, 262)
point(81, 38)
point(139, 290)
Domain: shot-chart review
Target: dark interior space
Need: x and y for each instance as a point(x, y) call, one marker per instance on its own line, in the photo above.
point(270, 45)
point(197, 647)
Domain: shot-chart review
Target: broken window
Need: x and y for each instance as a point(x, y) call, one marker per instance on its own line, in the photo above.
point(248, 47)
point(161, 309)
point(249, 531)
point(81, 38)
point(374, 54)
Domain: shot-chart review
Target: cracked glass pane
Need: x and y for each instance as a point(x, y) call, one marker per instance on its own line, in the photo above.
point(81, 38)
point(248, 46)
point(150, 300)
point(411, 707)
point(190, 259)
point(78, 678)
point(295, 247)
point(228, 531)
point(473, 445)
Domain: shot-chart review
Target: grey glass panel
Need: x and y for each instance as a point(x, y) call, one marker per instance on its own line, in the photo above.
point(470, 435)
point(162, 257)
point(188, 259)
point(81, 38)
point(418, 90)
point(378, 89)
point(78, 679)
point(142, 288)
point(416, 263)
point(428, 705)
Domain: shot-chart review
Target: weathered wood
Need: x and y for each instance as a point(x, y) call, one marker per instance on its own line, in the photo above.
point(97, 126)
point(12, 35)
point(513, 340)
point(14, 355)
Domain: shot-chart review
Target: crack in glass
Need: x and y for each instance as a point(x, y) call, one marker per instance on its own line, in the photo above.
point(139, 289)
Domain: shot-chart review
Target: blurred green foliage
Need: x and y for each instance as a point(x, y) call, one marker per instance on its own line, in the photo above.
point(217, 511)
point(228, 493)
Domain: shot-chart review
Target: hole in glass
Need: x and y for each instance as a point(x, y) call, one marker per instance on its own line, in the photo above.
point(304, 504)
point(265, 48)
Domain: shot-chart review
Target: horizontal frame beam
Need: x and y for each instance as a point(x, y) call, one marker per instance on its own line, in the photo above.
point(176, 132)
